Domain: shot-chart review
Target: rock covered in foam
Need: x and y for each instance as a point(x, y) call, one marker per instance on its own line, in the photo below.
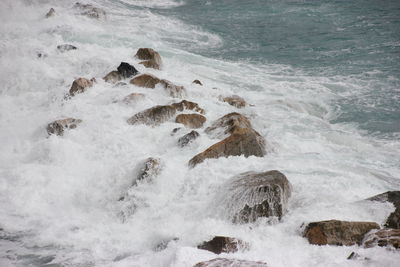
point(188, 138)
point(235, 101)
point(150, 81)
point(193, 121)
point(393, 221)
point(152, 58)
point(80, 85)
point(383, 238)
point(149, 169)
point(223, 244)
point(159, 114)
point(66, 47)
point(57, 127)
point(113, 77)
point(133, 98)
point(222, 262)
point(340, 233)
point(90, 11)
point(50, 13)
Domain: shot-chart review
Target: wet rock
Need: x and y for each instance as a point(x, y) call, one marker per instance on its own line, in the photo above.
point(133, 98)
point(340, 233)
point(188, 138)
point(197, 82)
point(57, 127)
point(222, 262)
point(41, 55)
point(193, 121)
point(149, 169)
point(51, 13)
point(151, 57)
point(228, 124)
point(393, 221)
point(383, 238)
point(251, 195)
point(150, 81)
point(235, 101)
point(90, 11)
point(80, 85)
point(127, 70)
point(355, 256)
point(159, 114)
point(113, 77)
point(223, 244)
point(175, 130)
point(66, 47)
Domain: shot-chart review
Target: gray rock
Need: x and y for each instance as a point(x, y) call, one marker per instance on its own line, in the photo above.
point(57, 127)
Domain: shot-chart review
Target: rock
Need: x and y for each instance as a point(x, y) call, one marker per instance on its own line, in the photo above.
point(132, 98)
point(90, 11)
point(251, 195)
point(197, 82)
point(228, 124)
point(113, 77)
point(159, 114)
point(175, 130)
point(151, 57)
point(340, 233)
point(223, 244)
point(383, 238)
point(222, 262)
point(66, 47)
point(193, 121)
point(80, 85)
point(235, 101)
point(188, 138)
point(127, 70)
point(51, 13)
point(393, 221)
point(150, 81)
point(355, 256)
point(149, 169)
point(41, 55)
point(57, 127)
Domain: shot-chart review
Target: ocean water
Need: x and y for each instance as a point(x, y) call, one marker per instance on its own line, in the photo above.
point(323, 81)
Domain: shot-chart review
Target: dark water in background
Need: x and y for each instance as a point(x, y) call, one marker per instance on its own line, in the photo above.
point(354, 41)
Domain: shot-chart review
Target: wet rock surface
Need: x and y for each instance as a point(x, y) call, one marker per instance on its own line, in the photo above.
point(90, 11)
point(340, 233)
point(193, 121)
point(150, 81)
point(223, 244)
point(133, 98)
point(228, 124)
point(383, 238)
point(66, 47)
point(152, 58)
point(127, 70)
point(59, 126)
point(80, 85)
point(188, 138)
point(393, 221)
point(235, 101)
point(149, 169)
point(197, 82)
point(222, 262)
point(113, 77)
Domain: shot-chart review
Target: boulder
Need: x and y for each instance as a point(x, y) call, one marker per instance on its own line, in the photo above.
point(228, 124)
point(222, 262)
point(251, 195)
point(159, 114)
point(235, 101)
point(149, 169)
point(51, 13)
point(197, 82)
point(132, 98)
point(66, 47)
point(57, 127)
point(383, 238)
point(150, 81)
point(127, 70)
point(193, 121)
point(340, 233)
point(151, 58)
point(113, 77)
point(90, 11)
point(393, 221)
point(80, 85)
point(188, 138)
point(223, 244)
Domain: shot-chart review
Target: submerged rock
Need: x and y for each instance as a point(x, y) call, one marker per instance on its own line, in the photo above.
point(383, 238)
point(193, 121)
point(393, 221)
point(223, 244)
point(90, 11)
point(188, 138)
point(66, 47)
point(113, 77)
point(149, 169)
point(235, 101)
point(150, 81)
point(340, 233)
point(80, 85)
point(222, 262)
point(159, 114)
point(50, 13)
point(152, 58)
point(57, 127)
point(133, 98)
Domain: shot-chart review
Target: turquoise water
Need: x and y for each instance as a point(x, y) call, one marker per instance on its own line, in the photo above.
point(357, 41)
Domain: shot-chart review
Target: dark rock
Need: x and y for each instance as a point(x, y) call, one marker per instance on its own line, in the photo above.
point(57, 127)
point(159, 114)
point(151, 57)
point(150, 81)
point(197, 82)
point(383, 238)
point(188, 138)
point(355, 256)
point(223, 244)
point(149, 169)
point(113, 77)
point(90, 11)
point(175, 130)
point(235, 101)
point(222, 262)
point(80, 85)
point(51, 13)
point(127, 70)
point(393, 221)
point(340, 233)
point(66, 47)
point(193, 121)
point(41, 55)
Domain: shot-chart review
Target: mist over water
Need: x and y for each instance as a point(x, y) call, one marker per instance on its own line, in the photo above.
point(323, 81)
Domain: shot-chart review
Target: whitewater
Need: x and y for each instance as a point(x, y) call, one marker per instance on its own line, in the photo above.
point(59, 194)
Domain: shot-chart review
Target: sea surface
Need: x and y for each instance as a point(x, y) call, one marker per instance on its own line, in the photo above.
point(323, 81)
